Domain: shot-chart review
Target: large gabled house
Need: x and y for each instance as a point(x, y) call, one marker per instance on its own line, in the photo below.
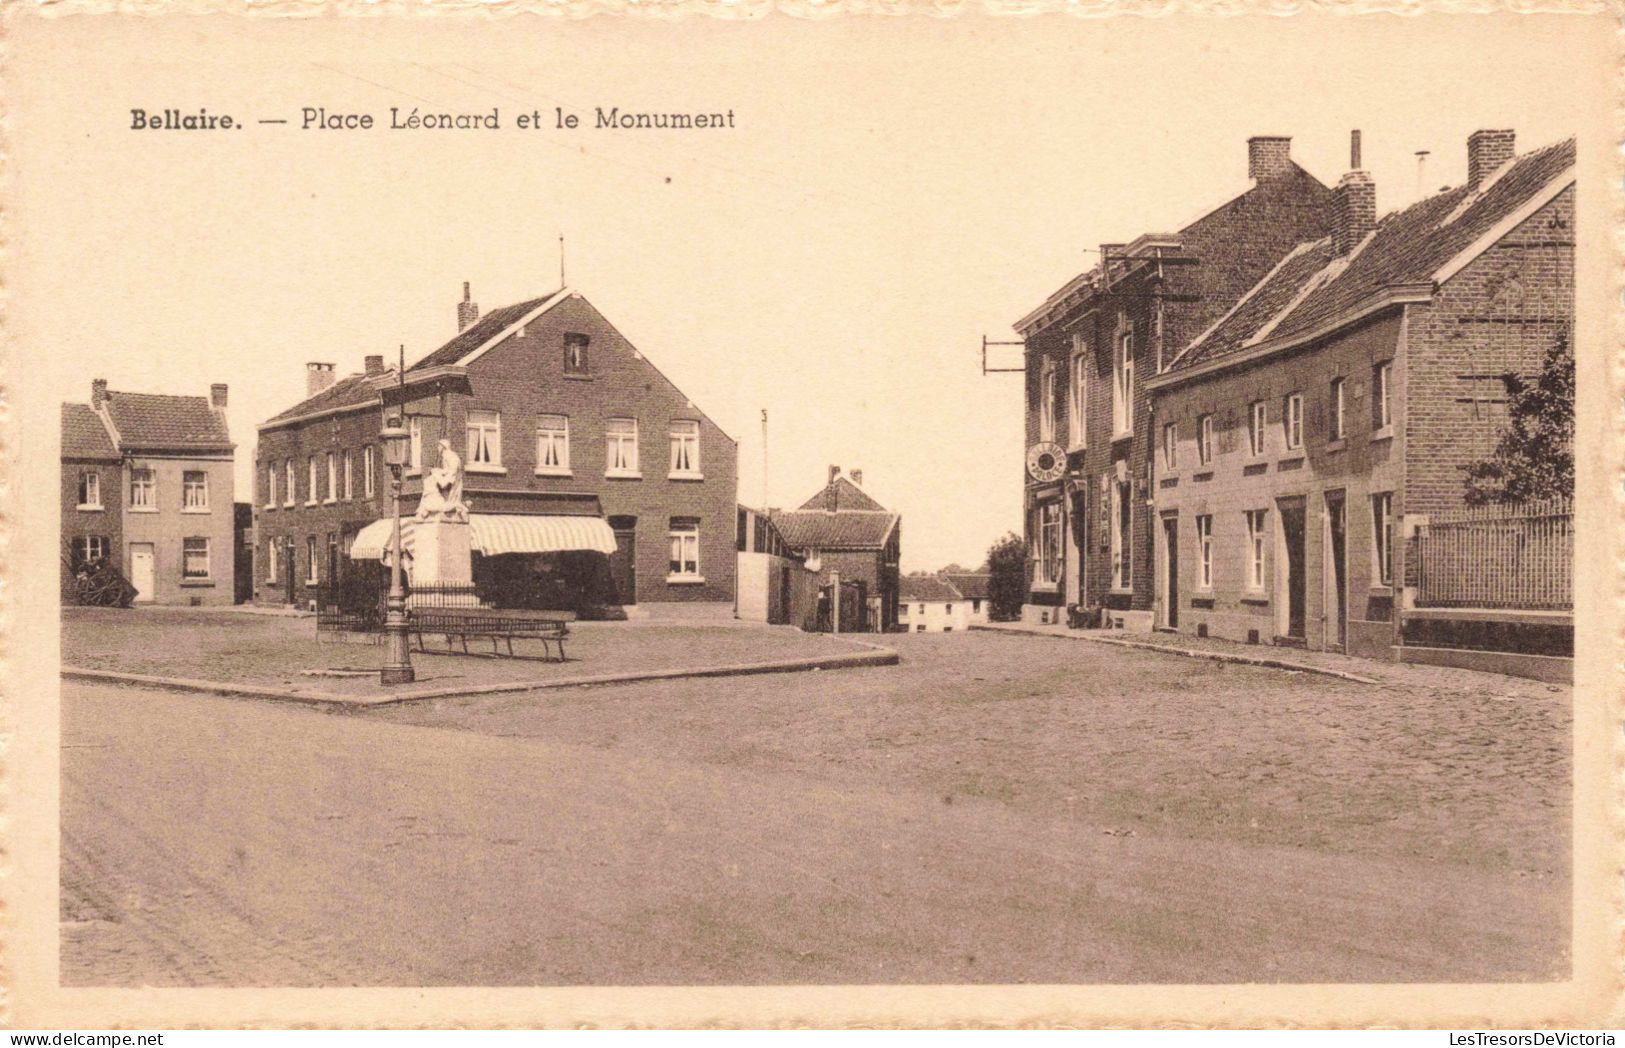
point(596, 485)
point(147, 485)
point(1089, 349)
point(1309, 433)
point(843, 530)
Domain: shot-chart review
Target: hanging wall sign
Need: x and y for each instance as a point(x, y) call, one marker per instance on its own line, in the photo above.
point(1046, 461)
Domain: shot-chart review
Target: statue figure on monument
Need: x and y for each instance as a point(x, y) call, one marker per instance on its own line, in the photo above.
point(443, 489)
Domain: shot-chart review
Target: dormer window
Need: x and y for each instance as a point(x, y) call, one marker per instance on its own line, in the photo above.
point(575, 354)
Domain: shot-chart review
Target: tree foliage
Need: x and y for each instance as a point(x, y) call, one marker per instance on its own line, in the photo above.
point(1535, 457)
point(1007, 586)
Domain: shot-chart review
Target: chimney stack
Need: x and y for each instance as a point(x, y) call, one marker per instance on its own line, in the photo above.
point(318, 376)
point(1486, 151)
point(375, 364)
point(832, 495)
point(468, 311)
point(1354, 205)
point(1268, 156)
point(98, 392)
point(217, 395)
point(857, 477)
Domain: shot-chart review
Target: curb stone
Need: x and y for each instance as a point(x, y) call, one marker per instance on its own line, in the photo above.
point(1192, 653)
point(877, 655)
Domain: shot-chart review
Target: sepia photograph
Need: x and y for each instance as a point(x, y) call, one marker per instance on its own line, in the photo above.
point(912, 520)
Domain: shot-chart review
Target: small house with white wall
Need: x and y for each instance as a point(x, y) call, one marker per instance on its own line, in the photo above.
point(931, 604)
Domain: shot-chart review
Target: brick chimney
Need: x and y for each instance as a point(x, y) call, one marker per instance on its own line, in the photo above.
point(857, 477)
point(318, 376)
point(1268, 156)
point(1354, 205)
point(1486, 151)
point(375, 364)
point(832, 493)
point(468, 310)
point(217, 395)
point(98, 392)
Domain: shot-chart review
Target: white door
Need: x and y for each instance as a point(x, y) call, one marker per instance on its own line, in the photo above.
point(141, 570)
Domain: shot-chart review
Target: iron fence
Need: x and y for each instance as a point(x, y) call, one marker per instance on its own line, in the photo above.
point(1518, 556)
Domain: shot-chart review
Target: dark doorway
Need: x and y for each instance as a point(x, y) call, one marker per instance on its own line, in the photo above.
point(1292, 538)
point(623, 563)
point(783, 617)
point(289, 568)
point(333, 576)
point(1170, 571)
point(1337, 572)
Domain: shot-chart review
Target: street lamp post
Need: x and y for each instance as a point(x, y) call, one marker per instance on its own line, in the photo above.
point(397, 668)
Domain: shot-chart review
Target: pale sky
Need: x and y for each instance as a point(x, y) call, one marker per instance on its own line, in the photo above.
point(894, 189)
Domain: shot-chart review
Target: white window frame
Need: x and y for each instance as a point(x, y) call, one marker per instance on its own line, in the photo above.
point(1047, 533)
point(1382, 392)
point(617, 463)
point(369, 469)
point(270, 486)
point(312, 571)
point(414, 433)
point(1257, 548)
point(1339, 419)
point(557, 440)
point(148, 502)
point(292, 494)
point(1292, 421)
point(682, 539)
point(1204, 440)
point(272, 558)
point(332, 477)
point(1046, 401)
point(1078, 392)
point(311, 479)
point(689, 442)
point(349, 475)
point(482, 440)
point(83, 549)
point(1122, 534)
point(1204, 551)
point(1257, 431)
point(1123, 386)
point(187, 489)
point(90, 489)
point(186, 574)
point(1170, 445)
point(1382, 538)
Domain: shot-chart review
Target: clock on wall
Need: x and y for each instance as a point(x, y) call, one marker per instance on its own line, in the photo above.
point(1046, 461)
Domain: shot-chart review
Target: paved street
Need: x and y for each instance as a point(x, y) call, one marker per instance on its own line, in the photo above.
point(996, 809)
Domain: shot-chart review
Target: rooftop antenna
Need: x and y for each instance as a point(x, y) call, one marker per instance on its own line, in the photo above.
point(1421, 173)
point(561, 260)
point(765, 500)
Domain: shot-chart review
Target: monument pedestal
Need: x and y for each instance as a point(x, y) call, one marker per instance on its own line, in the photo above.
point(442, 564)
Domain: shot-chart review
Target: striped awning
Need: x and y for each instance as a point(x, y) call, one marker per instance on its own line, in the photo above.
point(497, 533)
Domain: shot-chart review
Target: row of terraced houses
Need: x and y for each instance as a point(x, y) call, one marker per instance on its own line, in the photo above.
point(1246, 427)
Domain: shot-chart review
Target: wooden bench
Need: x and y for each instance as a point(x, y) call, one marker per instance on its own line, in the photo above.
point(504, 626)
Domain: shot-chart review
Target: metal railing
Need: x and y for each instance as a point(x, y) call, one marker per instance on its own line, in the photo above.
point(1503, 556)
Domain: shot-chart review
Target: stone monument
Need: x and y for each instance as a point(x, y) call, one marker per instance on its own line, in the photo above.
point(442, 538)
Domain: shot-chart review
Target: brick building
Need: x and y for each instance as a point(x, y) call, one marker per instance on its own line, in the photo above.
point(147, 484)
point(573, 444)
point(842, 529)
point(1090, 348)
point(1306, 433)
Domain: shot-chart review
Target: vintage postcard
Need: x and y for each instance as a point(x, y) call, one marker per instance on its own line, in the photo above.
point(753, 518)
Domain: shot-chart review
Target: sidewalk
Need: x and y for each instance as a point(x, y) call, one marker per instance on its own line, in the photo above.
point(1406, 676)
